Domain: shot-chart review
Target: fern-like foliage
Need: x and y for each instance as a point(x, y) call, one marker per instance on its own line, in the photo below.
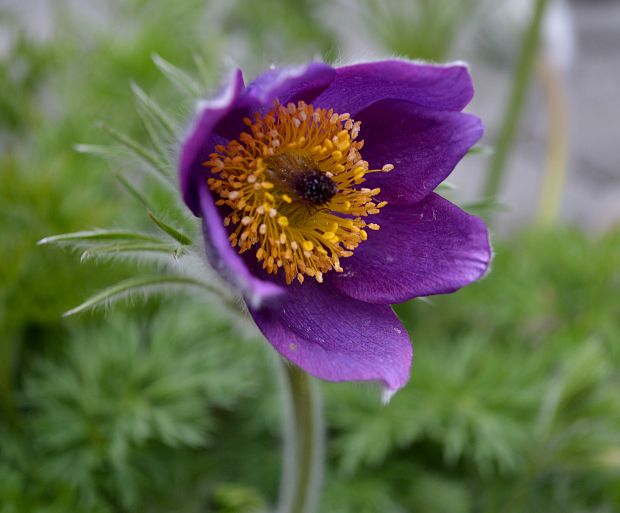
point(123, 396)
point(169, 247)
point(522, 414)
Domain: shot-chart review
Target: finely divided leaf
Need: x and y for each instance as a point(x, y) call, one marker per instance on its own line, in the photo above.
point(152, 108)
point(110, 152)
point(173, 232)
point(133, 248)
point(98, 236)
point(144, 285)
point(140, 151)
point(177, 76)
point(127, 185)
point(480, 149)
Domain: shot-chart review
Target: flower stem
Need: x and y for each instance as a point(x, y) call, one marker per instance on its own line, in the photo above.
point(512, 115)
point(303, 453)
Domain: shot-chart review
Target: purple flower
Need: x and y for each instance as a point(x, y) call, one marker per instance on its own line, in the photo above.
point(315, 188)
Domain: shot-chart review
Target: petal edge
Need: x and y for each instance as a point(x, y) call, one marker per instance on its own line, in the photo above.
point(432, 247)
point(424, 146)
point(225, 259)
point(337, 338)
point(440, 87)
point(195, 146)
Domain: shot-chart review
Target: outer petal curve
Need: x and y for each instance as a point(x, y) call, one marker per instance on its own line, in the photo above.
point(337, 338)
point(225, 259)
point(355, 87)
point(432, 247)
point(286, 83)
point(195, 149)
point(289, 83)
point(424, 146)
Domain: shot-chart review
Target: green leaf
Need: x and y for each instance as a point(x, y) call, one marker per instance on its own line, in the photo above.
point(484, 206)
point(140, 151)
point(173, 232)
point(140, 247)
point(110, 152)
point(480, 149)
point(143, 285)
point(161, 128)
point(201, 66)
point(177, 76)
point(153, 109)
point(95, 236)
point(446, 186)
point(133, 191)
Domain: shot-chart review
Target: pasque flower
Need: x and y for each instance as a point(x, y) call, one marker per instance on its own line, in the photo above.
point(315, 188)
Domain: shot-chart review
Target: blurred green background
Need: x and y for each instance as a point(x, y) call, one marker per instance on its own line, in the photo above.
point(163, 406)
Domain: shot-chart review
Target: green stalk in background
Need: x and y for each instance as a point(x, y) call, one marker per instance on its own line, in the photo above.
point(521, 80)
point(557, 143)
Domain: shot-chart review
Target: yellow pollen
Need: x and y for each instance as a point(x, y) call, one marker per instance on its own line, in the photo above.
point(289, 187)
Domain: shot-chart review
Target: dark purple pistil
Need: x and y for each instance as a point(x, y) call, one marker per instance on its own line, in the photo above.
point(315, 186)
point(301, 176)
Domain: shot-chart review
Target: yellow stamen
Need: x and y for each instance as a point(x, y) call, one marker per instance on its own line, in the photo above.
point(288, 185)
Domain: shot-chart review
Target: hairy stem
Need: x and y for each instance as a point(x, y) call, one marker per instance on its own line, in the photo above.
point(512, 115)
point(303, 452)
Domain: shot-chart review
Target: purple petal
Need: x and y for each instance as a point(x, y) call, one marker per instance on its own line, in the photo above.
point(423, 145)
point(432, 247)
point(196, 147)
point(225, 259)
point(337, 338)
point(431, 86)
point(289, 83)
point(286, 84)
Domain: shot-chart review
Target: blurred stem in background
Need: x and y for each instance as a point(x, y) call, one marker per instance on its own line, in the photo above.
point(422, 29)
point(303, 451)
point(557, 147)
point(514, 107)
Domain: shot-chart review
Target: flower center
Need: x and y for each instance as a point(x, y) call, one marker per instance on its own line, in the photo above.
point(289, 189)
point(303, 177)
point(316, 187)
